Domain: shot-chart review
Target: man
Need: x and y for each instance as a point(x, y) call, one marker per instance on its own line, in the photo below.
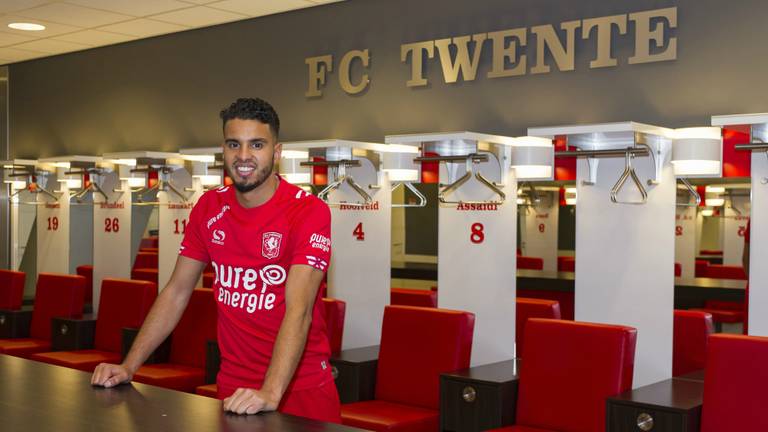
point(269, 243)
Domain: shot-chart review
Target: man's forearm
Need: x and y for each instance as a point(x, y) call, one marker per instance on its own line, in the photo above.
point(159, 323)
point(289, 346)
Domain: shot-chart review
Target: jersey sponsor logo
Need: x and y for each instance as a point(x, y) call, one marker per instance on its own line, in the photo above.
point(214, 219)
point(316, 262)
point(218, 237)
point(229, 278)
point(222, 189)
point(270, 244)
point(302, 194)
point(319, 241)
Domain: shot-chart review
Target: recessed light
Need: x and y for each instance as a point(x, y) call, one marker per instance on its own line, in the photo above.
point(27, 26)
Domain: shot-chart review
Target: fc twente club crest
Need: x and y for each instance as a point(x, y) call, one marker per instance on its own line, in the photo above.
point(270, 244)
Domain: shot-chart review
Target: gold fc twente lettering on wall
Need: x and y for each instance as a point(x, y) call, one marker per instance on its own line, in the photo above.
point(460, 55)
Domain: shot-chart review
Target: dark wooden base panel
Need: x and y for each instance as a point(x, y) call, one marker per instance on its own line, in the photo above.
point(672, 405)
point(478, 398)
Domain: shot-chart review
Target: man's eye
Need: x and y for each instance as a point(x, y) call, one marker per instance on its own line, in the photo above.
point(257, 145)
point(232, 145)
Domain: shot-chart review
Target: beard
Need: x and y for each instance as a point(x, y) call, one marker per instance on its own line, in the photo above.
point(261, 176)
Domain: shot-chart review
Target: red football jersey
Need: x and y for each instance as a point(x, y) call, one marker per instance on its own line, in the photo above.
point(252, 250)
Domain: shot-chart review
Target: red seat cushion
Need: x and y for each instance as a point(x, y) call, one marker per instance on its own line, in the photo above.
point(145, 274)
point(387, 416)
point(734, 384)
point(689, 346)
point(726, 272)
point(150, 242)
point(185, 369)
point(24, 347)
point(529, 263)
point(210, 390)
point(566, 264)
point(527, 308)
point(11, 289)
point(123, 303)
point(701, 268)
point(678, 270)
point(208, 279)
point(171, 376)
point(56, 296)
point(413, 297)
point(146, 260)
point(568, 371)
point(86, 271)
point(417, 345)
point(84, 360)
point(564, 298)
point(334, 311)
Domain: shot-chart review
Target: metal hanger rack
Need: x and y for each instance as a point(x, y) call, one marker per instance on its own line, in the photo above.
point(341, 178)
point(470, 160)
point(629, 154)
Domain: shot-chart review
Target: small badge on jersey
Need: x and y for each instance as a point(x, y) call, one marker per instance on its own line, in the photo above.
point(270, 244)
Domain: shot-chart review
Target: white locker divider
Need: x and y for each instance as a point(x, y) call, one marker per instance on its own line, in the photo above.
point(125, 176)
point(685, 236)
point(624, 270)
point(539, 213)
point(736, 215)
point(20, 175)
point(758, 245)
point(477, 230)
point(57, 247)
point(359, 194)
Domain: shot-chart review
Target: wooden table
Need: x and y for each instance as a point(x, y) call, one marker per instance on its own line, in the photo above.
point(44, 398)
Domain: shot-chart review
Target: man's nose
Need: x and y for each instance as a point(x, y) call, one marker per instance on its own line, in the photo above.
point(242, 153)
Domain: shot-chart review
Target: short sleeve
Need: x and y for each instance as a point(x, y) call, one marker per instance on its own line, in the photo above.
point(312, 236)
point(193, 245)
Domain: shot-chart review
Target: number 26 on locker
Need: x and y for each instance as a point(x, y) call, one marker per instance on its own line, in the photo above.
point(111, 225)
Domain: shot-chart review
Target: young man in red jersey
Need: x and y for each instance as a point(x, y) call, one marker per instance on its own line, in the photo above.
point(269, 243)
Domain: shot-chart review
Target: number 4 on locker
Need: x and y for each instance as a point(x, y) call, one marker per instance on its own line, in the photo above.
point(358, 232)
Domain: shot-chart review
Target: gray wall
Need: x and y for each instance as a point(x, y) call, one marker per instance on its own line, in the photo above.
point(164, 93)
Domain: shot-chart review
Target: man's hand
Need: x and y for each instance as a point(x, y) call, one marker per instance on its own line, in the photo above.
point(110, 375)
point(250, 401)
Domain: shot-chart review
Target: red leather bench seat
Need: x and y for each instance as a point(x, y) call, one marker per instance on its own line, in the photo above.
point(86, 271)
point(55, 296)
point(723, 311)
point(417, 344)
point(568, 371)
point(145, 274)
point(529, 263)
point(123, 303)
point(701, 268)
point(146, 260)
point(566, 299)
point(185, 369)
point(726, 272)
point(734, 384)
point(413, 297)
point(566, 264)
point(527, 308)
point(11, 289)
point(689, 346)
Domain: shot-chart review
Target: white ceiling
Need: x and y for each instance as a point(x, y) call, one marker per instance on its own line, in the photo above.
point(74, 25)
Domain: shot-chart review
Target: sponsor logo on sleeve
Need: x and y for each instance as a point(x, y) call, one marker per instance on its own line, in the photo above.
point(270, 244)
point(319, 241)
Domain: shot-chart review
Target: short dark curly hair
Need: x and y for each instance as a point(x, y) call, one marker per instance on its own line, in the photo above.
point(252, 109)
